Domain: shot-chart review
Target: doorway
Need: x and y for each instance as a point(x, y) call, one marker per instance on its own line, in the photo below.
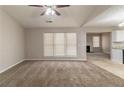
point(98, 44)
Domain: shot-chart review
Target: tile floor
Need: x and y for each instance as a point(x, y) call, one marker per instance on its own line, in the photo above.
point(103, 61)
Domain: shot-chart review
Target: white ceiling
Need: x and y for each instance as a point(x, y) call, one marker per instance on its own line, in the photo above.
point(111, 17)
point(73, 16)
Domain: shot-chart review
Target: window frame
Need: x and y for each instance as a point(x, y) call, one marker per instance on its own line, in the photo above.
point(96, 46)
point(65, 45)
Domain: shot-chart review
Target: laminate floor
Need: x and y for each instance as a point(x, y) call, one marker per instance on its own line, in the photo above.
point(58, 74)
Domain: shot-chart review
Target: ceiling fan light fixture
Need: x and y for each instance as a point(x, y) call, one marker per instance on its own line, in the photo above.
point(121, 24)
point(49, 11)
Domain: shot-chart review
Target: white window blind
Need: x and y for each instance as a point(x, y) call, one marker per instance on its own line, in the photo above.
point(60, 44)
point(96, 41)
point(71, 44)
point(48, 44)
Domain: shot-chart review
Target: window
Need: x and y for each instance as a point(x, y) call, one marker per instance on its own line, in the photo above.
point(71, 44)
point(96, 41)
point(60, 44)
point(48, 44)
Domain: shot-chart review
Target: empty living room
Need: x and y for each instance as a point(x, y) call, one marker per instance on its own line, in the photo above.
point(61, 45)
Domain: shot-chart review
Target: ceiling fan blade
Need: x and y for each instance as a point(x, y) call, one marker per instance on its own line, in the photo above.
point(36, 5)
point(43, 13)
point(57, 13)
point(61, 6)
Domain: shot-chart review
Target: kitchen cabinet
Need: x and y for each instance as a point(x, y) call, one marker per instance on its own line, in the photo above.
point(117, 56)
point(118, 36)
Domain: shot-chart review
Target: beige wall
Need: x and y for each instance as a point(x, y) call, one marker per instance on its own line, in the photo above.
point(34, 43)
point(106, 42)
point(11, 42)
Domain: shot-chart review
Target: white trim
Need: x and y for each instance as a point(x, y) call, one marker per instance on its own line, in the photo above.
point(56, 59)
point(5, 69)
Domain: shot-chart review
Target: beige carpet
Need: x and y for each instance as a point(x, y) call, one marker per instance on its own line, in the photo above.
point(58, 74)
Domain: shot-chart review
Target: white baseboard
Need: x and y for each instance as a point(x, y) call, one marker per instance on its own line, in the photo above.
point(56, 59)
point(11, 66)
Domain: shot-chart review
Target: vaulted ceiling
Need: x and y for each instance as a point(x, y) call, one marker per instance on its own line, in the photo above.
point(73, 16)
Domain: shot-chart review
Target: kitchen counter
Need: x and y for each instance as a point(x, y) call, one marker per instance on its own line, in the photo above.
point(117, 45)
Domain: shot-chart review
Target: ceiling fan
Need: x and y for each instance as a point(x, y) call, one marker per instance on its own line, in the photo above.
point(50, 9)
